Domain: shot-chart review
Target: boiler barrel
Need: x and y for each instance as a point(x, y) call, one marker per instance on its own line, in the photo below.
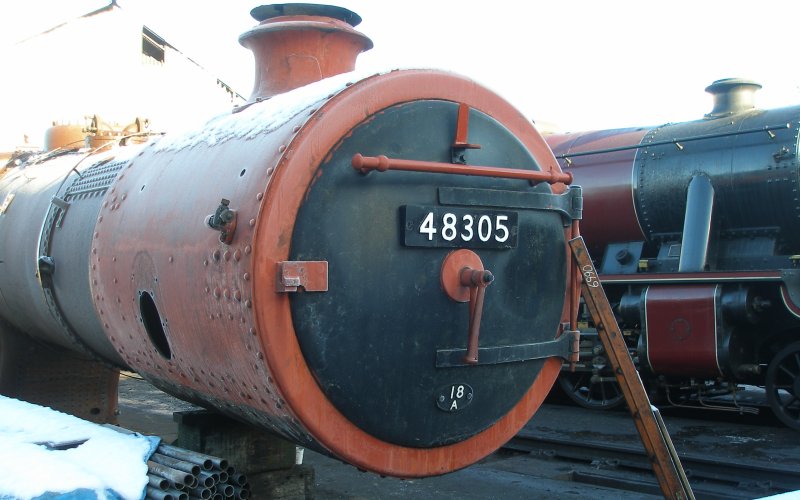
point(640, 191)
point(249, 267)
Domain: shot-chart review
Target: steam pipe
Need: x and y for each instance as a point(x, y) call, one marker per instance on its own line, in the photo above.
point(697, 224)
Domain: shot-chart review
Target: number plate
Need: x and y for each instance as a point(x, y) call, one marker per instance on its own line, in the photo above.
point(457, 228)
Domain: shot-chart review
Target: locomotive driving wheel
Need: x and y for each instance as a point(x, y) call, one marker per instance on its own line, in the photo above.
point(592, 385)
point(783, 385)
point(595, 391)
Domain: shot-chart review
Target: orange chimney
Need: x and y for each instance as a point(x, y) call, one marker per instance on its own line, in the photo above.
point(297, 44)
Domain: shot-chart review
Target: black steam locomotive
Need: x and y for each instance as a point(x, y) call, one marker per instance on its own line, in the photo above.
point(695, 228)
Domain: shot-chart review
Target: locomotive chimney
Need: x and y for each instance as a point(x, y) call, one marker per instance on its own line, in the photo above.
point(297, 44)
point(732, 95)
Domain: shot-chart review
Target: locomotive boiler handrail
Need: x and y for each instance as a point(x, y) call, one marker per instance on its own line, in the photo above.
point(677, 141)
point(381, 163)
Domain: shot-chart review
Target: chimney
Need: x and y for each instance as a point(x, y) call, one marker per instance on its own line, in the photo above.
point(732, 95)
point(298, 44)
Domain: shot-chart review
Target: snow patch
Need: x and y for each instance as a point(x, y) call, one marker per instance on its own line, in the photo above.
point(108, 463)
point(261, 117)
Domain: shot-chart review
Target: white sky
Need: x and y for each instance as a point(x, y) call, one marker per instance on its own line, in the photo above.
point(581, 64)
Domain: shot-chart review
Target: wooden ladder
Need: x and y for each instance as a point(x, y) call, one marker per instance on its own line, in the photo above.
point(655, 438)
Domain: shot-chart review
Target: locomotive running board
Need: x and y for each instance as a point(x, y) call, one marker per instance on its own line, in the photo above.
point(655, 438)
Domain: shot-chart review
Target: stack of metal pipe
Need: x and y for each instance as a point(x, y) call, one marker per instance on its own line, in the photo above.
point(178, 474)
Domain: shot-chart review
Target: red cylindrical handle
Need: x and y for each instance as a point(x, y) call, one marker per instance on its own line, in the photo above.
point(381, 163)
point(477, 280)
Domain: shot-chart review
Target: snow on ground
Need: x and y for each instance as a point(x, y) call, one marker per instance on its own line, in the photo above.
point(102, 463)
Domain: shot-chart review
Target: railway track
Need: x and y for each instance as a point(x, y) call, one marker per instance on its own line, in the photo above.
point(625, 466)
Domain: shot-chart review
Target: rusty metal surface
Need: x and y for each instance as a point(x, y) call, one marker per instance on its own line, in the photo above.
point(298, 44)
point(311, 276)
point(225, 336)
point(199, 316)
point(202, 341)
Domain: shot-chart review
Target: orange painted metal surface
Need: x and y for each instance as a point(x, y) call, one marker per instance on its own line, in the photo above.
point(295, 48)
point(450, 276)
point(299, 388)
point(230, 335)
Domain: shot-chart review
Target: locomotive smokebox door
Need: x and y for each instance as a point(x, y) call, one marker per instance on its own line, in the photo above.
point(387, 342)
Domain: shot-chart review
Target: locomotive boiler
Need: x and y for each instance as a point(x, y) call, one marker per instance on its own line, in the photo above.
point(695, 227)
point(372, 266)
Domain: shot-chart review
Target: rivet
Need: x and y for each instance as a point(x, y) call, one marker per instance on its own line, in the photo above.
point(205, 262)
point(237, 255)
point(227, 255)
point(248, 249)
point(105, 325)
point(252, 331)
point(270, 170)
point(100, 219)
point(230, 317)
point(216, 255)
point(170, 258)
point(96, 234)
point(246, 276)
point(260, 196)
point(296, 129)
point(115, 280)
point(113, 259)
point(248, 303)
point(94, 266)
point(124, 196)
point(259, 355)
point(105, 204)
point(237, 295)
point(227, 293)
point(217, 292)
point(114, 199)
point(282, 148)
point(252, 222)
point(94, 250)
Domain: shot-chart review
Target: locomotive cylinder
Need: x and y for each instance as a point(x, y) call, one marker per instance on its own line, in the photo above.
point(248, 267)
